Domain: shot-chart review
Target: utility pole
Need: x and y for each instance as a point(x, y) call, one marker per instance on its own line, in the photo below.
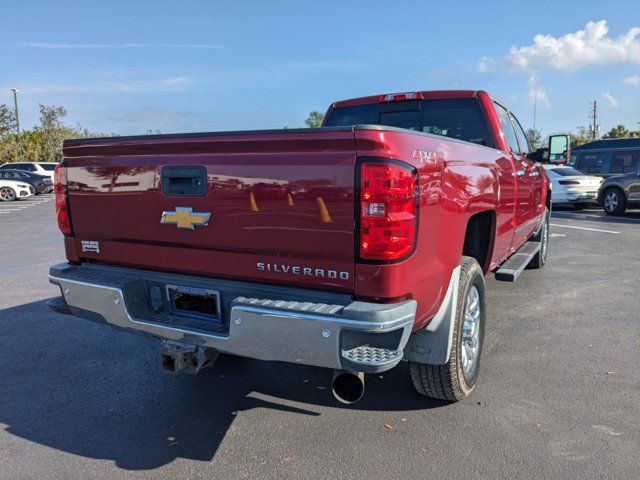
point(594, 130)
point(535, 108)
point(15, 104)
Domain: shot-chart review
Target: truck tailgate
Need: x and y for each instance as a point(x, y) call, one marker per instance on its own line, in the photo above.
point(281, 204)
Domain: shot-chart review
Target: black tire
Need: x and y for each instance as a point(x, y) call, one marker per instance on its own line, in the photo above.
point(614, 202)
point(7, 194)
point(540, 259)
point(450, 381)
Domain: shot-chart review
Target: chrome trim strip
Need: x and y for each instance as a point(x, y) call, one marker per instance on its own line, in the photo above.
point(523, 227)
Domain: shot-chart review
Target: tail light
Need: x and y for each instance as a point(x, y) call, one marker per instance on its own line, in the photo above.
point(62, 200)
point(400, 97)
point(569, 182)
point(388, 211)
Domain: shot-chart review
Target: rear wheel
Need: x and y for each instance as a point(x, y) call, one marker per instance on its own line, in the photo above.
point(614, 202)
point(7, 194)
point(457, 378)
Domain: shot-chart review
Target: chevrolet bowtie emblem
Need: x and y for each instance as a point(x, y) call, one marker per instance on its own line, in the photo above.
point(185, 217)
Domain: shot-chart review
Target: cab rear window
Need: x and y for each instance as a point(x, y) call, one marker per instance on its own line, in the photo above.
point(459, 118)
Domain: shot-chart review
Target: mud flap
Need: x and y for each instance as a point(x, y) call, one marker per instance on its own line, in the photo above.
point(432, 344)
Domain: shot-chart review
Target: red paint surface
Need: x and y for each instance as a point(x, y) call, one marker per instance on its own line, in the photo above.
point(115, 199)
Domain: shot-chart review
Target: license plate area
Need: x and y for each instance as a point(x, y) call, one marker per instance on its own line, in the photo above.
point(194, 302)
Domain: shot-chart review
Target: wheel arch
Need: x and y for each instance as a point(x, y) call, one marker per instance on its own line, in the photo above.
point(613, 186)
point(479, 238)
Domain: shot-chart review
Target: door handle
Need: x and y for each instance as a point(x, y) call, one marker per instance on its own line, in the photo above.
point(184, 181)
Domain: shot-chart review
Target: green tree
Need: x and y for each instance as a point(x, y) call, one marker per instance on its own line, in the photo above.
point(43, 142)
point(314, 120)
point(53, 131)
point(619, 131)
point(534, 136)
point(583, 136)
point(7, 122)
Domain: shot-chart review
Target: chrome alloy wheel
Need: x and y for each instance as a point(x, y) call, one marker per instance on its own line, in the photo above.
point(7, 194)
point(545, 239)
point(611, 201)
point(470, 350)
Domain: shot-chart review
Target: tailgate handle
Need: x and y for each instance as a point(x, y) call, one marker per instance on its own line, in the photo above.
point(184, 181)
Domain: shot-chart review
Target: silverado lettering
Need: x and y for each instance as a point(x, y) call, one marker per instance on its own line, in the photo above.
point(374, 234)
point(296, 270)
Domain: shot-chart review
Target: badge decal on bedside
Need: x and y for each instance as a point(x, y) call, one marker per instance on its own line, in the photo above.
point(90, 246)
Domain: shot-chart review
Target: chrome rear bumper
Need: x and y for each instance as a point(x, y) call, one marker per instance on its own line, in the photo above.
point(282, 326)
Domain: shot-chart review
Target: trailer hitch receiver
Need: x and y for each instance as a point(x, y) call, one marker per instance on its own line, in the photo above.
point(182, 357)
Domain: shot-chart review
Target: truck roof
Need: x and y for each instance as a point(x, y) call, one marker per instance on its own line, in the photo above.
point(609, 143)
point(426, 94)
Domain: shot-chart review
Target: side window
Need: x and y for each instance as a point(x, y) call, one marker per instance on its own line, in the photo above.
point(522, 138)
point(21, 166)
point(507, 129)
point(625, 162)
point(590, 163)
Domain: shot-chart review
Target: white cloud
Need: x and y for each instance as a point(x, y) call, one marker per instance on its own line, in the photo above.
point(633, 80)
point(574, 51)
point(613, 101)
point(486, 65)
point(106, 86)
point(537, 93)
point(118, 45)
point(176, 81)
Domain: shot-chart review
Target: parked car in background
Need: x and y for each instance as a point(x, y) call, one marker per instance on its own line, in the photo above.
point(11, 190)
point(604, 158)
point(572, 187)
point(41, 168)
point(41, 183)
point(620, 192)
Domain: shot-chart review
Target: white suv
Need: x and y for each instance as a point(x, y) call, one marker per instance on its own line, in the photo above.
point(41, 168)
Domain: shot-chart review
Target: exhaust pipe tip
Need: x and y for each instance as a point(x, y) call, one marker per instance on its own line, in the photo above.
point(347, 387)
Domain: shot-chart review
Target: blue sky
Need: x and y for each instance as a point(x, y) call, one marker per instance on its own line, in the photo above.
point(224, 65)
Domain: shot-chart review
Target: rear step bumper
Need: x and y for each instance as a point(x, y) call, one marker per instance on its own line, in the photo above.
point(264, 322)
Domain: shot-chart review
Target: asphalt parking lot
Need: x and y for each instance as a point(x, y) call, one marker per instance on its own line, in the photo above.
point(558, 394)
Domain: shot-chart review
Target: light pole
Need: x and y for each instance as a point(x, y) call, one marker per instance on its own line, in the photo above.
point(15, 104)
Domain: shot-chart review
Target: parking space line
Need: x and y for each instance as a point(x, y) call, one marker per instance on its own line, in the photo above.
point(601, 217)
point(584, 228)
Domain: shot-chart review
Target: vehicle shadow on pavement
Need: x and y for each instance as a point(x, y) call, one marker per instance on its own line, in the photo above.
point(94, 391)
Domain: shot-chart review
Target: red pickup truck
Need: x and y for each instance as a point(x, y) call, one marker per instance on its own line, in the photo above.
point(352, 247)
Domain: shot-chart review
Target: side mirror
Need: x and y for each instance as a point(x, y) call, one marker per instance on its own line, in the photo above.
point(559, 148)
